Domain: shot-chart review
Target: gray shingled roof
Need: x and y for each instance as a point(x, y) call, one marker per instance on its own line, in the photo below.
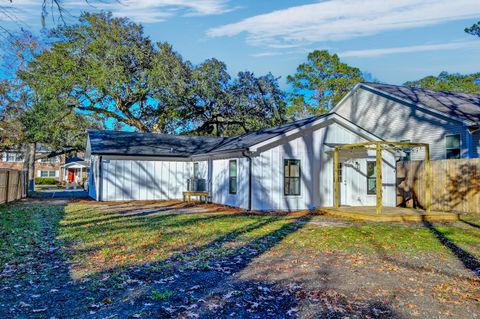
point(74, 159)
point(151, 144)
point(461, 105)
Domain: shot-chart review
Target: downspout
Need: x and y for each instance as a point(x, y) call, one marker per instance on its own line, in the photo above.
point(246, 154)
point(100, 181)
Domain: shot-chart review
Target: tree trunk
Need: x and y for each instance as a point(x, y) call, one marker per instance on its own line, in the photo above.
point(29, 165)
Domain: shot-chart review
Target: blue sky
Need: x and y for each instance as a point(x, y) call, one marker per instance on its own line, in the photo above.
point(393, 40)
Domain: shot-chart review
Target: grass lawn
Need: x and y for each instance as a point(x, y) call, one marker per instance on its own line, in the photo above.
point(171, 260)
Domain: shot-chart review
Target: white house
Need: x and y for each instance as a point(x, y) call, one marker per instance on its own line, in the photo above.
point(448, 121)
point(288, 167)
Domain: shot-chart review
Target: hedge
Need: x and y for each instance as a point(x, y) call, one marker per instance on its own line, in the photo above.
point(45, 181)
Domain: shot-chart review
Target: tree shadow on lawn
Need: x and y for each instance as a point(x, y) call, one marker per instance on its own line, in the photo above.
point(37, 282)
point(111, 212)
point(468, 260)
point(203, 283)
point(384, 255)
point(469, 223)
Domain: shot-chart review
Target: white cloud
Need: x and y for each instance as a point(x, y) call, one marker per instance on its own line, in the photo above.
point(264, 54)
point(335, 20)
point(368, 53)
point(145, 11)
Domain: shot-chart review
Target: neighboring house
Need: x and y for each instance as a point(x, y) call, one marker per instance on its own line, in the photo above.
point(288, 167)
point(448, 121)
point(53, 167)
point(75, 170)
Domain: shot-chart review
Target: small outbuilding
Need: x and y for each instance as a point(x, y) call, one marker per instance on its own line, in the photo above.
point(288, 167)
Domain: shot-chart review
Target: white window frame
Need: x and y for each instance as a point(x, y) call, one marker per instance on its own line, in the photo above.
point(15, 155)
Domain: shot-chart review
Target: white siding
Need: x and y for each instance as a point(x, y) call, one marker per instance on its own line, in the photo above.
point(142, 179)
point(220, 183)
point(137, 178)
point(395, 121)
point(313, 150)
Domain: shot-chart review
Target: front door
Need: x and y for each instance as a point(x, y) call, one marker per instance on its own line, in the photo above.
point(71, 175)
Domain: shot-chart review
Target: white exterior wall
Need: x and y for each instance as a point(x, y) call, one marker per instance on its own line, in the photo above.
point(316, 160)
point(220, 183)
point(142, 179)
point(137, 178)
point(394, 121)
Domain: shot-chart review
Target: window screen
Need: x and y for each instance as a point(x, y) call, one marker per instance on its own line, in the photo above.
point(291, 173)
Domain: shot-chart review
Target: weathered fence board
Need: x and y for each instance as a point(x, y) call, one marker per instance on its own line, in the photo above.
point(455, 184)
point(13, 185)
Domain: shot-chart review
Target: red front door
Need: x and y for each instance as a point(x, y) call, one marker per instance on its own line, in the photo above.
point(71, 175)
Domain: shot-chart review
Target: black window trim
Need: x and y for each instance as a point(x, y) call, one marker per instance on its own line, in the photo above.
point(455, 148)
point(374, 177)
point(299, 177)
point(230, 177)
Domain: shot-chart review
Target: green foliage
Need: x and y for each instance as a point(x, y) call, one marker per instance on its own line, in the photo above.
point(465, 83)
point(224, 107)
point(102, 65)
point(162, 295)
point(106, 66)
point(320, 83)
point(474, 29)
point(27, 116)
point(45, 181)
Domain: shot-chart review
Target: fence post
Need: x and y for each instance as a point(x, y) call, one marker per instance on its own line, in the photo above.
point(427, 179)
point(379, 183)
point(7, 186)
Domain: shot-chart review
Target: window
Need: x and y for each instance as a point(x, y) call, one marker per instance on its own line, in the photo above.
point(13, 157)
point(232, 177)
point(291, 174)
point(196, 171)
point(49, 160)
point(47, 173)
point(407, 151)
point(452, 146)
point(371, 178)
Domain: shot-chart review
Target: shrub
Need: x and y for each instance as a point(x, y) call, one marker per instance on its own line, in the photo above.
point(45, 181)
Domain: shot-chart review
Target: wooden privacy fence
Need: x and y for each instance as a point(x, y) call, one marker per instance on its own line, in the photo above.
point(13, 185)
point(455, 184)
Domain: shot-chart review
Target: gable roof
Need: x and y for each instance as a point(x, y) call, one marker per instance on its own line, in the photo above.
point(74, 159)
point(153, 144)
point(246, 140)
point(148, 144)
point(462, 106)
